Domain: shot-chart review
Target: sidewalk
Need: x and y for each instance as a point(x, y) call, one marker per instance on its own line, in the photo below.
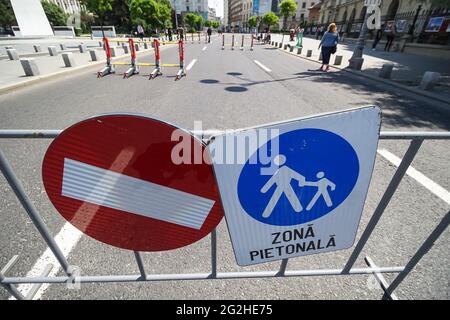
point(13, 76)
point(408, 68)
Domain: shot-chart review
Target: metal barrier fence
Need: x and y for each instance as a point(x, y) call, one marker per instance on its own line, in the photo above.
point(416, 138)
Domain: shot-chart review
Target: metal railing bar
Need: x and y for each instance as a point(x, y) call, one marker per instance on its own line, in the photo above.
point(201, 276)
point(32, 212)
point(36, 286)
point(387, 196)
point(140, 263)
point(283, 265)
point(424, 248)
point(381, 280)
point(11, 288)
point(214, 253)
point(206, 134)
point(10, 264)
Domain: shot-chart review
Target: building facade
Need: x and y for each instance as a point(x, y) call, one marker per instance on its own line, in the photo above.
point(225, 13)
point(68, 6)
point(427, 23)
point(235, 14)
point(302, 13)
point(182, 7)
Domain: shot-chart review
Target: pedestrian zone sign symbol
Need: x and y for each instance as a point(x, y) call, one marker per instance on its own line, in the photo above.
point(299, 188)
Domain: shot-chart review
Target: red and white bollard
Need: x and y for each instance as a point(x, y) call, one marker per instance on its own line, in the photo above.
point(181, 72)
point(109, 66)
point(157, 71)
point(134, 68)
point(251, 46)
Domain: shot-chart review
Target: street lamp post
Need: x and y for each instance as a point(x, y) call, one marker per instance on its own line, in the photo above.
point(356, 61)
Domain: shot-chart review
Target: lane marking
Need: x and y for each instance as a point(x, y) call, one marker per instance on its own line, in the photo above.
point(67, 238)
point(204, 48)
point(262, 66)
point(418, 176)
point(118, 191)
point(191, 64)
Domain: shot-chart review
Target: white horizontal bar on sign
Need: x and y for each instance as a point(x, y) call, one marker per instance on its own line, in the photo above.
point(114, 190)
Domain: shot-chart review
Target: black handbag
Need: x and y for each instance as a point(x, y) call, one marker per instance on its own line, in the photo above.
point(333, 49)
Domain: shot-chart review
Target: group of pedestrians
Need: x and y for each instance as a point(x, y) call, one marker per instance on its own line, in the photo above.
point(390, 32)
point(330, 39)
point(181, 32)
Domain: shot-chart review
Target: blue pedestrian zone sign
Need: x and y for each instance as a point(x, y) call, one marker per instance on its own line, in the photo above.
point(300, 188)
point(307, 183)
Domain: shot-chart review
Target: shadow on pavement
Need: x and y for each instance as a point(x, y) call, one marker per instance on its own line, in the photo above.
point(398, 110)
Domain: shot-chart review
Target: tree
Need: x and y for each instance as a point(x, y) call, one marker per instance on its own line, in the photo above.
point(287, 9)
point(150, 13)
point(208, 23)
point(99, 8)
point(193, 20)
point(252, 22)
point(215, 24)
point(55, 14)
point(7, 18)
point(270, 19)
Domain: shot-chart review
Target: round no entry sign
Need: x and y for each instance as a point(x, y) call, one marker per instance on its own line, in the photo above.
point(114, 178)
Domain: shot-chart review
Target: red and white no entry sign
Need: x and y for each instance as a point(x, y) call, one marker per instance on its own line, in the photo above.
point(113, 178)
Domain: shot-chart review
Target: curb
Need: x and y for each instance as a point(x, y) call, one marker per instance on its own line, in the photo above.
point(378, 79)
point(58, 74)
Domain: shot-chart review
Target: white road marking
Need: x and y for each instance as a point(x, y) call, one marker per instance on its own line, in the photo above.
point(191, 64)
point(67, 238)
point(262, 66)
point(418, 176)
point(204, 48)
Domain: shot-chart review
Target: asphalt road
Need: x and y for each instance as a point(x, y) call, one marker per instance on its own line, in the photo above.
point(227, 89)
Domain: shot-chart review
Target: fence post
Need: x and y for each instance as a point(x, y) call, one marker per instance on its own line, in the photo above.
point(392, 187)
point(25, 201)
point(157, 71)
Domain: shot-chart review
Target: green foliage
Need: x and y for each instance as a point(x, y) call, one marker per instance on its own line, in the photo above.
point(215, 24)
point(270, 19)
point(252, 21)
point(98, 7)
point(208, 23)
point(287, 9)
point(7, 18)
point(150, 13)
point(55, 14)
point(193, 20)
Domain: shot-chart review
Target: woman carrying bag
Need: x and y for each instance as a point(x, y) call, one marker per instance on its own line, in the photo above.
point(329, 44)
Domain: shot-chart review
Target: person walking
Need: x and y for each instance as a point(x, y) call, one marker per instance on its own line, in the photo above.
point(328, 43)
point(318, 31)
point(169, 32)
point(378, 36)
point(140, 30)
point(209, 31)
point(390, 35)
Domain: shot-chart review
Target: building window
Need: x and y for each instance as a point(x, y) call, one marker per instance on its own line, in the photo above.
point(302, 16)
point(187, 8)
point(304, 5)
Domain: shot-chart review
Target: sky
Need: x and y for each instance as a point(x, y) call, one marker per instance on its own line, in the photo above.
point(218, 5)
